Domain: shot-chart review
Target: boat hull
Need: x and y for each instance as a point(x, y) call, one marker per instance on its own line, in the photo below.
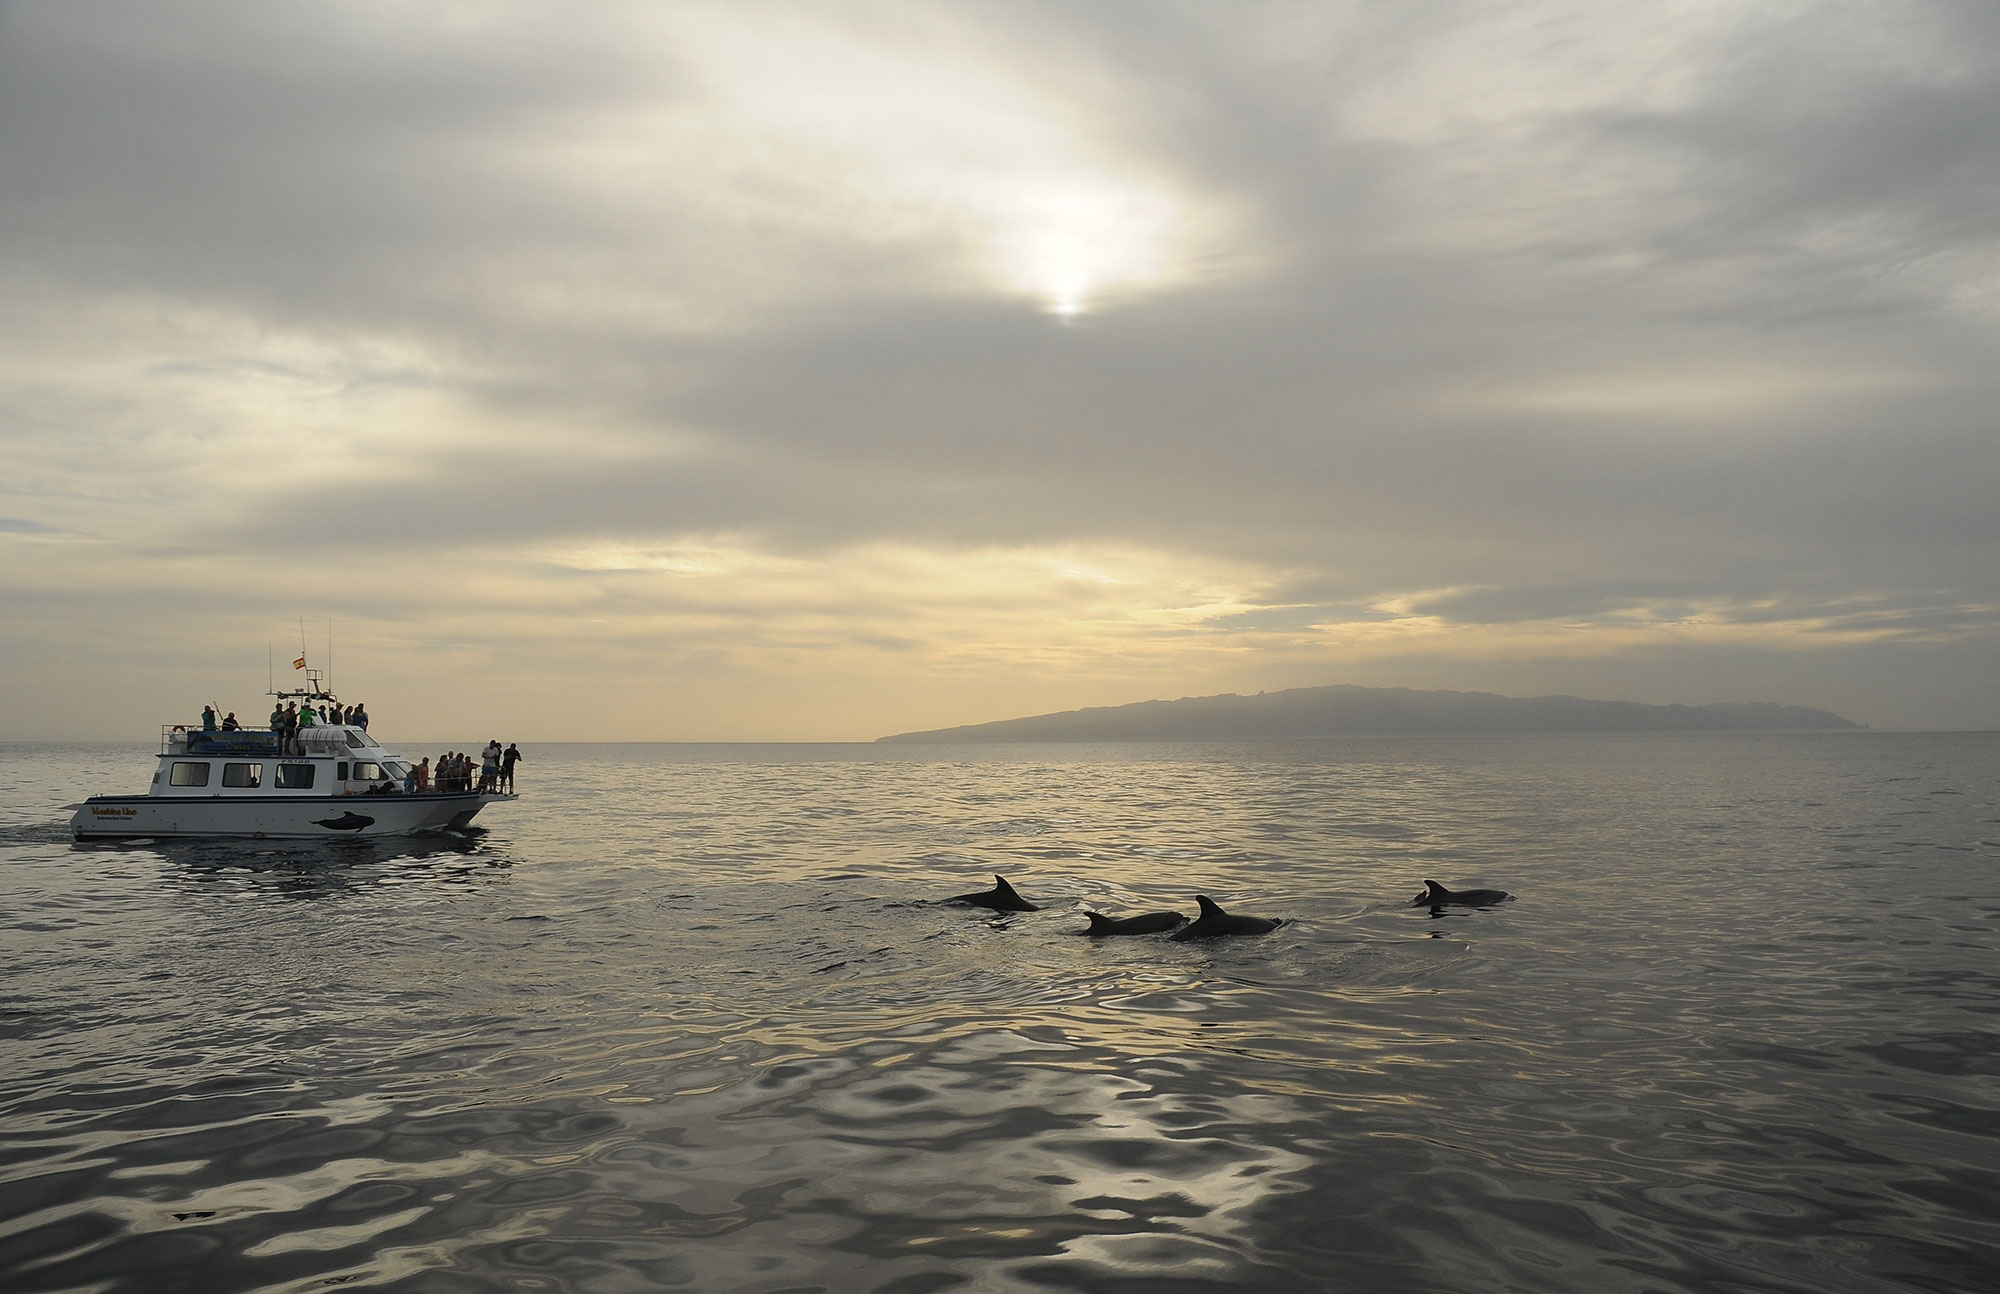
point(275, 817)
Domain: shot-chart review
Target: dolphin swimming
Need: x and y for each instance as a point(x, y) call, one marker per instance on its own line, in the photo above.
point(1214, 921)
point(1436, 896)
point(1146, 923)
point(1001, 898)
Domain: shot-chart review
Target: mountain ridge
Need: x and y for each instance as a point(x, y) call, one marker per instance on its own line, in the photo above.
point(1345, 709)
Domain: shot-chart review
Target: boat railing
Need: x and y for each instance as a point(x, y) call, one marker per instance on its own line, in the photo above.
point(321, 739)
point(179, 739)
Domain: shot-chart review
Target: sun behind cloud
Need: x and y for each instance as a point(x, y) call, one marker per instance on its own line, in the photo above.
point(929, 136)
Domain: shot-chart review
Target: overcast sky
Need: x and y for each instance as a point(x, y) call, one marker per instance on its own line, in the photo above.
point(819, 371)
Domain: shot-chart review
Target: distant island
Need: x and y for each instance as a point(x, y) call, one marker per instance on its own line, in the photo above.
point(1348, 711)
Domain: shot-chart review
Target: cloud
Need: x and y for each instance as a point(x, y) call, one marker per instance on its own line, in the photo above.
point(1327, 335)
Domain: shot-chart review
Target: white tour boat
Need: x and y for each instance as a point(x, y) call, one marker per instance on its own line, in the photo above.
point(328, 780)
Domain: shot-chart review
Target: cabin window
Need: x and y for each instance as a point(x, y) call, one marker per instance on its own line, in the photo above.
point(354, 740)
point(243, 775)
point(294, 777)
point(340, 770)
point(189, 774)
point(367, 771)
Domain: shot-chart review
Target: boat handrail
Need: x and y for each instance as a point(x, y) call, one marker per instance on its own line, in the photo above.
point(332, 739)
point(180, 739)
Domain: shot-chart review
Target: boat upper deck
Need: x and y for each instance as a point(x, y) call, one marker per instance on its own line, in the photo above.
point(325, 740)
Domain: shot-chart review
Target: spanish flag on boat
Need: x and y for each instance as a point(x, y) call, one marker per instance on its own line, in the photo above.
point(300, 663)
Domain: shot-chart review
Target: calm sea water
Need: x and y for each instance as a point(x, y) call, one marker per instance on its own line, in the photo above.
point(692, 1017)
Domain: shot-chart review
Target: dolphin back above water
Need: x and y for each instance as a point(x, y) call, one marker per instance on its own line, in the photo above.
point(1436, 896)
point(1146, 923)
point(1001, 898)
point(1214, 921)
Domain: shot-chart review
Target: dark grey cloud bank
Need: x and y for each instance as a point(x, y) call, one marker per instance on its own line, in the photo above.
point(1723, 351)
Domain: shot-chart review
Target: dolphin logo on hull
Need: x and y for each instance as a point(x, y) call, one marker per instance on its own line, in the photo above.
point(1001, 898)
point(349, 821)
point(1213, 921)
point(1436, 896)
point(1146, 923)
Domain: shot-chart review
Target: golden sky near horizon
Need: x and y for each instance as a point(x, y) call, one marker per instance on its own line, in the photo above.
point(771, 371)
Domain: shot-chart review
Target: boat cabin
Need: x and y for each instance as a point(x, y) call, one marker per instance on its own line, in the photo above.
point(327, 759)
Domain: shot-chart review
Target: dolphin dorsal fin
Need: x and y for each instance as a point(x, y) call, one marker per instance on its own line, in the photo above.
point(1001, 887)
point(1098, 921)
point(1209, 907)
point(1432, 889)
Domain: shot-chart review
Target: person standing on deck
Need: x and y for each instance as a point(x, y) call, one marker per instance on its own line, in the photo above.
point(511, 757)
